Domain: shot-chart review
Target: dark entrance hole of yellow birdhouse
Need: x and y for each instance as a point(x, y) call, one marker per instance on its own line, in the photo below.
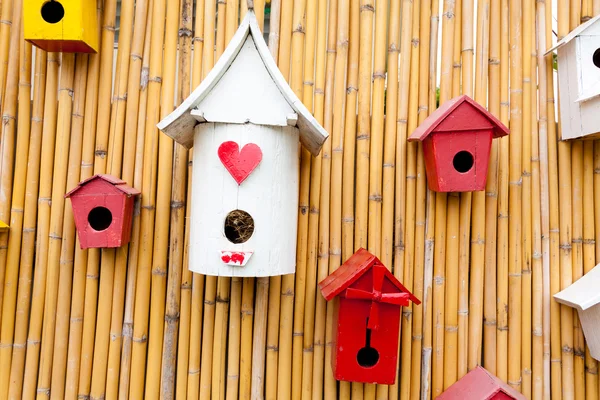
point(239, 226)
point(596, 57)
point(53, 12)
point(100, 218)
point(463, 161)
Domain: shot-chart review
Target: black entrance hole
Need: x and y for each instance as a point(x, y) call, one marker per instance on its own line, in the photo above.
point(100, 218)
point(596, 57)
point(463, 161)
point(367, 357)
point(239, 226)
point(53, 12)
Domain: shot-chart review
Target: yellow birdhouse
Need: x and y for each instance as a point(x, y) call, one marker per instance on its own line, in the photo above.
point(3, 227)
point(69, 26)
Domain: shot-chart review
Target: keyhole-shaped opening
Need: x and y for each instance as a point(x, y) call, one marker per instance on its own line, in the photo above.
point(52, 12)
point(463, 161)
point(367, 356)
point(596, 57)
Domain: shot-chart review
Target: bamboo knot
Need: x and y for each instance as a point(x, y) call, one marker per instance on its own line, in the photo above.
point(337, 150)
point(298, 334)
point(5, 22)
point(186, 286)
point(393, 48)
point(335, 252)
point(288, 293)
point(45, 391)
point(451, 328)
point(526, 80)
point(177, 204)
point(526, 174)
point(193, 371)
point(109, 28)
point(478, 241)
point(209, 302)
point(308, 349)
point(343, 43)
point(491, 322)
point(468, 49)
point(135, 56)
point(589, 241)
point(299, 29)
point(363, 136)
point(308, 83)
point(591, 370)
point(537, 332)
point(303, 209)
point(457, 65)
point(148, 207)
point(505, 103)
point(100, 153)
point(448, 14)
point(319, 91)
point(76, 319)
point(16, 210)
point(247, 312)
point(55, 236)
point(579, 353)
point(585, 18)
point(143, 339)
point(5, 345)
point(402, 121)
point(314, 210)
point(491, 194)
point(378, 75)
point(577, 241)
point(331, 51)
point(565, 246)
point(323, 255)
point(159, 272)
point(120, 98)
point(77, 115)
point(554, 230)
point(493, 61)
point(389, 165)
point(463, 312)
point(37, 119)
point(273, 348)
point(411, 177)
point(222, 300)
point(92, 276)
point(399, 247)
point(536, 255)
point(514, 274)
point(28, 230)
point(156, 79)
point(514, 383)
point(376, 198)
point(172, 318)
point(33, 342)
point(439, 280)
point(407, 314)
point(45, 199)
point(6, 118)
point(351, 89)
point(415, 42)
point(422, 108)
point(184, 32)
point(567, 349)
point(367, 7)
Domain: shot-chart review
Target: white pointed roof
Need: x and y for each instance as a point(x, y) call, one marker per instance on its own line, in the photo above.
point(239, 89)
point(574, 33)
point(583, 293)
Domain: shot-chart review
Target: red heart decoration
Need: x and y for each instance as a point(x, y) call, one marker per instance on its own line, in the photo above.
point(240, 164)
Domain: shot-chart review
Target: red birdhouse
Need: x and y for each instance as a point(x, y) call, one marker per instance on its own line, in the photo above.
point(479, 384)
point(102, 208)
point(368, 300)
point(457, 138)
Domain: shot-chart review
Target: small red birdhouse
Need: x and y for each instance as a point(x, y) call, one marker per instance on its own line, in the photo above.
point(479, 384)
point(368, 301)
point(102, 208)
point(457, 138)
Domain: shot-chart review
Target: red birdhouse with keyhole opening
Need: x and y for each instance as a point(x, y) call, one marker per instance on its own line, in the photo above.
point(103, 210)
point(367, 304)
point(457, 138)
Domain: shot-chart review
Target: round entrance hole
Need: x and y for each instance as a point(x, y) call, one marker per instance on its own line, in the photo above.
point(100, 218)
point(463, 161)
point(239, 226)
point(53, 12)
point(596, 57)
point(367, 357)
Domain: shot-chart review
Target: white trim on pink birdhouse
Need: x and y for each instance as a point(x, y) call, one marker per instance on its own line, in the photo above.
point(244, 124)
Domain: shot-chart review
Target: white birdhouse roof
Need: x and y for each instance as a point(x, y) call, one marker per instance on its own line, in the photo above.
point(574, 33)
point(242, 89)
point(583, 293)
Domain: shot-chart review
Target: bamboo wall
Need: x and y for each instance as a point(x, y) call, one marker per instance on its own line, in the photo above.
point(136, 323)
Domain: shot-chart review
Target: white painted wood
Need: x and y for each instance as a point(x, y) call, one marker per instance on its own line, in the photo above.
point(589, 74)
point(584, 295)
point(292, 119)
point(198, 115)
point(590, 27)
point(246, 93)
point(179, 124)
point(269, 195)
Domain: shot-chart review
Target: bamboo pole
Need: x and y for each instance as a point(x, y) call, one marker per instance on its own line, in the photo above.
point(246, 342)
point(514, 222)
point(27, 142)
point(66, 263)
point(491, 205)
point(142, 300)
point(503, 178)
point(6, 22)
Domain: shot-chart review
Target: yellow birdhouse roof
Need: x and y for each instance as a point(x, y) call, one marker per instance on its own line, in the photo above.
point(3, 226)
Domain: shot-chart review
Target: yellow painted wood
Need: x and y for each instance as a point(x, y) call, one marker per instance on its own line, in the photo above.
point(61, 25)
point(3, 227)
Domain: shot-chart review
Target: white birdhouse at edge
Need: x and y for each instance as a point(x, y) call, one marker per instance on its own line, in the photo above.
point(244, 123)
point(579, 81)
point(584, 295)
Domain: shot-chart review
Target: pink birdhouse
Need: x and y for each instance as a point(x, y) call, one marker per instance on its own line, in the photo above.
point(457, 138)
point(103, 209)
point(479, 384)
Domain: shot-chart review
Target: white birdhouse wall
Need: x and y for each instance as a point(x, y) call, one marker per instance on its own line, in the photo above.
point(268, 193)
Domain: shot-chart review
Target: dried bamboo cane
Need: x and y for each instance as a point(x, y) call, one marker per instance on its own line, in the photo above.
point(272, 345)
point(145, 262)
point(315, 94)
point(22, 207)
point(410, 210)
point(514, 222)
point(7, 139)
point(491, 205)
point(337, 146)
point(135, 173)
point(421, 206)
point(6, 23)
point(544, 194)
point(178, 208)
point(502, 260)
point(63, 307)
point(163, 208)
point(246, 342)
point(526, 205)
point(323, 382)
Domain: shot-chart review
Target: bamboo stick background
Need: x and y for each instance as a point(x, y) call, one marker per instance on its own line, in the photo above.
point(136, 323)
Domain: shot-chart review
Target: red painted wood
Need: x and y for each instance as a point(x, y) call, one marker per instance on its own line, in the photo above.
point(460, 124)
point(480, 384)
point(112, 194)
point(240, 164)
point(362, 290)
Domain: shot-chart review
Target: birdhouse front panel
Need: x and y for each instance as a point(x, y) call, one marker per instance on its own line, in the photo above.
point(103, 215)
point(366, 334)
point(68, 26)
point(245, 200)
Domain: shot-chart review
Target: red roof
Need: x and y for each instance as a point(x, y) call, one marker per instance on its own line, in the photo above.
point(478, 384)
point(116, 182)
point(349, 272)
point(433, 121)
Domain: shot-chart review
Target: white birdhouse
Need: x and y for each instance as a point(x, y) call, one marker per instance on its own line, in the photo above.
point(244, 123)
point(579, 81)
point(584, 295)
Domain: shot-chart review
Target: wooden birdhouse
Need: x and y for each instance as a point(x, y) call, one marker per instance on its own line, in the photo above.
point(366, 323)
point(457, 138)
point(480, 384)
point(584, 296)
point(103, 210)
point(3, 227)
point(69, 26)
point(244, 123)
point(579, 81)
